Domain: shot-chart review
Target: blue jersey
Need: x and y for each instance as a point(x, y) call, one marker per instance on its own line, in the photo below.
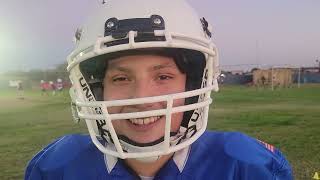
point(215, 155)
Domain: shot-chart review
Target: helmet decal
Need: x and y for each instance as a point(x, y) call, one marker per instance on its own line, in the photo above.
point(77, 35)
point(85, 89)
point(205, 26)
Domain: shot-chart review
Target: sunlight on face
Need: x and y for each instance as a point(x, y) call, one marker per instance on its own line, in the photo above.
point(143, 76)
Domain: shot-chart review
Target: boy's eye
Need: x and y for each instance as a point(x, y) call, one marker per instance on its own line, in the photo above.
point(119, 79)
point(164, 77)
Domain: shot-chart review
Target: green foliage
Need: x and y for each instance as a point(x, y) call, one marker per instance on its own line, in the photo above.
point(286, 118)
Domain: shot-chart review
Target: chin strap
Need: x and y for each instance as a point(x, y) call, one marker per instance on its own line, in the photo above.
point(131, 146)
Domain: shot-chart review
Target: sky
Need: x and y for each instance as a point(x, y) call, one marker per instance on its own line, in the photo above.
point(38, 34)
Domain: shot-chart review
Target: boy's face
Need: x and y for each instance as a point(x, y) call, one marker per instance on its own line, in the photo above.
point(139, 76)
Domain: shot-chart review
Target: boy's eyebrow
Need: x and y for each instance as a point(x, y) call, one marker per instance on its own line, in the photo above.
point(157, 67)
point(118, 68)
point(162, 66)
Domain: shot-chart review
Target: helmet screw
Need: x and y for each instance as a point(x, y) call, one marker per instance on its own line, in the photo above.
point(157, 21)
point(110, 24)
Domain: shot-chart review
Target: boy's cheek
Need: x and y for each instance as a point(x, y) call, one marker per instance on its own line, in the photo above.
point(113, 110)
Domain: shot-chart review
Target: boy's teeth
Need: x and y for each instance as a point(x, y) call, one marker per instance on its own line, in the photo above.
point(148, 120)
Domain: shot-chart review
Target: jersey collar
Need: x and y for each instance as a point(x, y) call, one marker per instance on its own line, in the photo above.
point(179, 158)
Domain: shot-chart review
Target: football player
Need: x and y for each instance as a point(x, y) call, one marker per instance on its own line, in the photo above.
point(142, 74)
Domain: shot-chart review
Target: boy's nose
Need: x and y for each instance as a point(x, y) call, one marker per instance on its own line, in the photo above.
point(143, 89)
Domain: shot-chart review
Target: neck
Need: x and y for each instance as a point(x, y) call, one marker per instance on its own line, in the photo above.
point(147, 168)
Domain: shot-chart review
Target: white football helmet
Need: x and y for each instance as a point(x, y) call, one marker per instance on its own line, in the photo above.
point(128, 26)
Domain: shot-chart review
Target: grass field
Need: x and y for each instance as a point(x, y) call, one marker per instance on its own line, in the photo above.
point(286, 118)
